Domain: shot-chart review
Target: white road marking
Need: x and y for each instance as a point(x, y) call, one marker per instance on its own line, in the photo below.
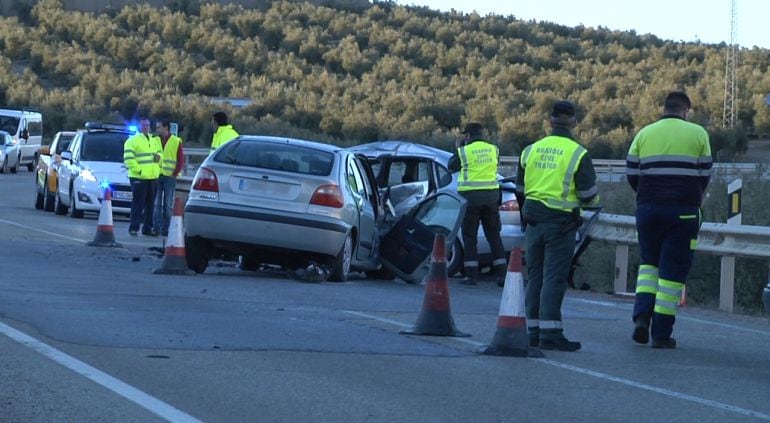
point(152, 404)
point(603, 376)
point(678, 317)
point(42, 231)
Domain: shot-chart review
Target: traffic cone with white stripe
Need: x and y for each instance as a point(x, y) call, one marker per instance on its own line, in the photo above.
point(511, 337)
point(435, 318)
point(105, 236)
point(174, 259)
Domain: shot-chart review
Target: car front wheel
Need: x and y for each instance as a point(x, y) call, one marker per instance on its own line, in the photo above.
point(342, 261)
point(74, 212)
point(39, 199)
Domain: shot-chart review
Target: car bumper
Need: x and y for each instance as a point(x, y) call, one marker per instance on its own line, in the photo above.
point(265, 228)
point(88, 197)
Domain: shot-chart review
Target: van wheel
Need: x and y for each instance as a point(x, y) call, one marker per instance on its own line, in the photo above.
point(58, 207)
point(341, 264)
point(15, 168)
point(31, 166)
point(197, 252)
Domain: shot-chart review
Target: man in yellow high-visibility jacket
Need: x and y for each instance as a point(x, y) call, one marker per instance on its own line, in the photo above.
point(477, 160)
point(142, 156)
point(555, 178)
point(171, 166)
point(223, 131)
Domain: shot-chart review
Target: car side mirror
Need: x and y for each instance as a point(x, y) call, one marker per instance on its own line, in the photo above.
point(66, 155)
point(25, 134)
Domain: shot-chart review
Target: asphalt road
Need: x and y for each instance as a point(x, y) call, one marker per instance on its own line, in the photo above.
point(90, 334)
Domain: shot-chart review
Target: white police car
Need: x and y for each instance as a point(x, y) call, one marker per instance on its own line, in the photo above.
point(93, 161)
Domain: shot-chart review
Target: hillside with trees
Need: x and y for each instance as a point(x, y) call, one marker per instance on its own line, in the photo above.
point(348, 76)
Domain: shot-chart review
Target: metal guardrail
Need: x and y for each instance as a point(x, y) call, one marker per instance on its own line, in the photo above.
point(727, 241)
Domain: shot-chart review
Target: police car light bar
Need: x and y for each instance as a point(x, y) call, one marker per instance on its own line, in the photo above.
point(108, 126)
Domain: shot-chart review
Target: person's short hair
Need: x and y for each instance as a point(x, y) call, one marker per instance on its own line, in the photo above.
point(473, 129)
point(164, 123)
point(676, 102)
point(563, 109)
point(220, 118)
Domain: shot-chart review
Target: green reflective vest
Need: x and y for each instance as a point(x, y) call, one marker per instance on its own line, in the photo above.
point(478, 162)
point(138, 155)
point(224, 134)
point(169, 156)
point(550, 166)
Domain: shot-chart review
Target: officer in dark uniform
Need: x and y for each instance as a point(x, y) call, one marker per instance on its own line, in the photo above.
point(555, 177)
point(476, 160)
point(669, 167)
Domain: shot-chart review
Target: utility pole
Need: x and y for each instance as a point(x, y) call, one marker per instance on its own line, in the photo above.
point(728, 112)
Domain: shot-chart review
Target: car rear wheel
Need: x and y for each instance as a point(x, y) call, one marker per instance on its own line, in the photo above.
point(197, 252)
point(341, 266)
point(48, 199)
point(4, 167)
point(454, 258)
point(15, 168)
point(39, 199)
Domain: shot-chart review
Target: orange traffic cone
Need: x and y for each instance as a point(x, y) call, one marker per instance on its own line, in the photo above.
point(435, 318)
point(175, 257)
point(511, 336)
point(105, 237)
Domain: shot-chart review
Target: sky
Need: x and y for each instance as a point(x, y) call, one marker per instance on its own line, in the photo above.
point(677, 20)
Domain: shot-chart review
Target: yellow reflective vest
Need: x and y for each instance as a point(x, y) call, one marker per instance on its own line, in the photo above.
point(551, 164)
point(478, 161)
point(138, 156)
point(168, 158)
point(224, 134)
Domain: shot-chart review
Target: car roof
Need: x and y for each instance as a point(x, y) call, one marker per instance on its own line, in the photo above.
point(19, 113)
point(67, 132)
point(294, 141)
point(402, 148)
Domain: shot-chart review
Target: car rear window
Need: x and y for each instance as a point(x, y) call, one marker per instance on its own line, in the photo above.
point(285, 157)
point(103, 146)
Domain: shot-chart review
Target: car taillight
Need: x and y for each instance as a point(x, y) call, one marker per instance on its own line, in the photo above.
point(206, 180)
point(510, 205)
point(327, 195)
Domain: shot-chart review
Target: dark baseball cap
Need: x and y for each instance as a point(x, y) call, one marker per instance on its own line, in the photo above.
point(563, 108)
point(473, 129)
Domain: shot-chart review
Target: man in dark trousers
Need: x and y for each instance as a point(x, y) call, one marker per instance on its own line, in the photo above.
point(668, 166)
point(477, 161)
point(555, 177)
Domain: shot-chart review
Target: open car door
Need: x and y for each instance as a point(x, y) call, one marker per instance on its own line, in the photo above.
point(407, 246)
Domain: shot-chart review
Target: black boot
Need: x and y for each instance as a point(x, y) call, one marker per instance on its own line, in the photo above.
point(471, 275)
point(668, 343)
point(501, 271)
point(559, 343)
point(534, 336)
point(641, 333)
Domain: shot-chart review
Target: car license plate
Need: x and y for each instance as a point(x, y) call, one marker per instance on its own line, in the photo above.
point(122, 195)
point(270, 188)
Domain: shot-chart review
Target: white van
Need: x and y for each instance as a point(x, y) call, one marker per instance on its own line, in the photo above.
point(26, 129)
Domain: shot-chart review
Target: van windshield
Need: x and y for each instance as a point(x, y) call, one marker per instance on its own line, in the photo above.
point(9, 124)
